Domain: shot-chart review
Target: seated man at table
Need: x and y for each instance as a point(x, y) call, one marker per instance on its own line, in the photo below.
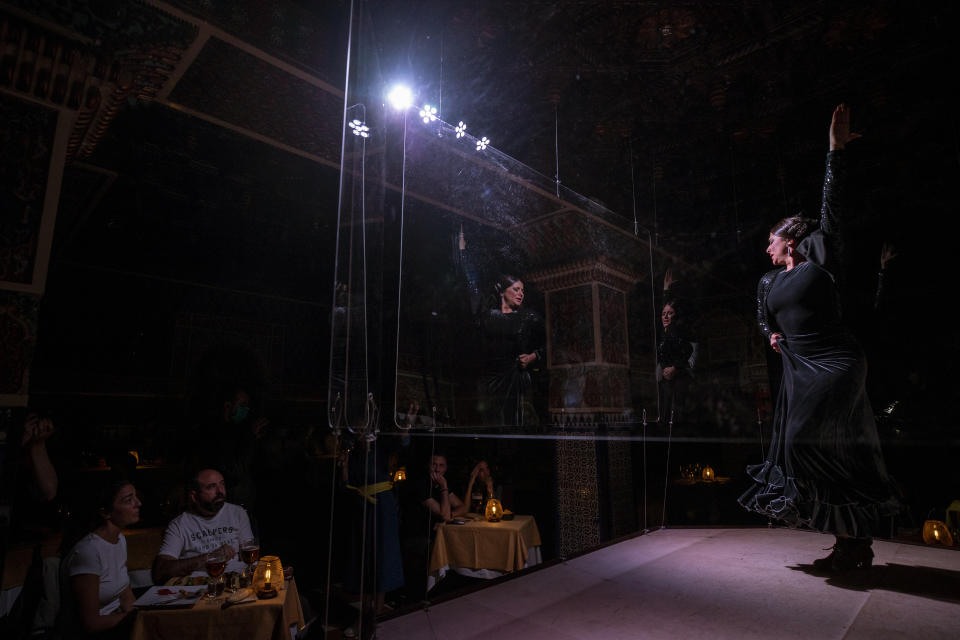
point(442, 503)
point(209, 524)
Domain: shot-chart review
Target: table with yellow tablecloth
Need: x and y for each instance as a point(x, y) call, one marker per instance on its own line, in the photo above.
point(270, 618)
point(485, 549)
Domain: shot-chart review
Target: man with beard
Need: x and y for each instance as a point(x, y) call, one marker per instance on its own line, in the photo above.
point(210, 523)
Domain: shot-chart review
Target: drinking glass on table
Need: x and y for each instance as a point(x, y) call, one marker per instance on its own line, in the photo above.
point(216, 564)
point(249, 554)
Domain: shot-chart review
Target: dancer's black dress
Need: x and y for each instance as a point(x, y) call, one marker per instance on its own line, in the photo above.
point(673, 350)
point(824, 469)
point(505, 387)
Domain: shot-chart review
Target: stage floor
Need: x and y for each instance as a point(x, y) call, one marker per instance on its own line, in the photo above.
point(708, 583)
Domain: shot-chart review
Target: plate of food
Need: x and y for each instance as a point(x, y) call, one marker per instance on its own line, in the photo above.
point(188, 581)
point(170, 597)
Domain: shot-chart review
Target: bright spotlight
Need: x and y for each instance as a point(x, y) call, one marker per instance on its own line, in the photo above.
point(428, 114)
point(359, 129)
point(482, 143)
point(400, 97)
point(461, 129)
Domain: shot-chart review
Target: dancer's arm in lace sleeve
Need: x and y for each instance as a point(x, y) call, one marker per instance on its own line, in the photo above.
point(764, 321)
point(833, 204)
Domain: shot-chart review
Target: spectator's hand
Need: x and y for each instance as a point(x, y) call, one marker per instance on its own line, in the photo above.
point(36, 430)
point(227, 551)
point(524, 359)
point(438, 480)
point(887, 253)
point(840, 133)
point(668, 278)
point(774, 337)
point(669, 372)
point(476, 471)
point(413, 414)
point(258, 426)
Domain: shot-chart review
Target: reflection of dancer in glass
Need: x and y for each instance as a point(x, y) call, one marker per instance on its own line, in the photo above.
point(512, 346)
point(676, 356)
point(824, 468)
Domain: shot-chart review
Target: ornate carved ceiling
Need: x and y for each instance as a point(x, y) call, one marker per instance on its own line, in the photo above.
point(714, 110)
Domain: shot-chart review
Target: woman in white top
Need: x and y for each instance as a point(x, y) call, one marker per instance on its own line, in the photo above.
point(96, 587)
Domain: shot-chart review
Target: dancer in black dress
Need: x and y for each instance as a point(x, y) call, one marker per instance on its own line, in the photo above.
point(511, 340)
point(676, 355)
point(824, 469)
point(512, 344)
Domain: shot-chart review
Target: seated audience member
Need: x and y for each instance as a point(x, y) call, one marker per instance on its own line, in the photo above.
point(437, 497)
point(97, 600)
point(480, 488)
point(210, 523)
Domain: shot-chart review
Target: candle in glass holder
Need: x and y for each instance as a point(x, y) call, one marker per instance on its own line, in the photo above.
point(266, 577)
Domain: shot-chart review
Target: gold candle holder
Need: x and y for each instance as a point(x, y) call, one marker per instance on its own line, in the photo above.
point(268, 577)
point(494, 510)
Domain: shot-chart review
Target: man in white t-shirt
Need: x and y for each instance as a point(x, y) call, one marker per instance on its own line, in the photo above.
point(209, 524)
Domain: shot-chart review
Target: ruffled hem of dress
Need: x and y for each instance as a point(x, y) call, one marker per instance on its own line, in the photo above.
point(776, 496)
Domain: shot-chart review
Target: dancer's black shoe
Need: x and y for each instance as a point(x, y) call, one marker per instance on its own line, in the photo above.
point(847, 554)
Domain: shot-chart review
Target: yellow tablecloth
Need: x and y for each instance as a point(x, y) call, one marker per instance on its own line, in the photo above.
point(255, 620)
point(499, 546)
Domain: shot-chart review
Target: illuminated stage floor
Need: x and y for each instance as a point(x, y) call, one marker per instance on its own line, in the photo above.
point(708, 583)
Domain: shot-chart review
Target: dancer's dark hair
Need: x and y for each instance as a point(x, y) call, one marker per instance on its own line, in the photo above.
point(794, 228)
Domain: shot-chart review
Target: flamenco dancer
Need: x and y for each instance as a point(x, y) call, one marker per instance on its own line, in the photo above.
point(824, 469)
point(512, 344)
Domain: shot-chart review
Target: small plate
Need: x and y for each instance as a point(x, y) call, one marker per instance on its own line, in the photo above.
point(239, 595)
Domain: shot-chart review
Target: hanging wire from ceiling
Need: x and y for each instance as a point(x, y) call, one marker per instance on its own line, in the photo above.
point(556, 144)
point(331, 403)
point(736, 205)
point(633, 191)
point(656, 232)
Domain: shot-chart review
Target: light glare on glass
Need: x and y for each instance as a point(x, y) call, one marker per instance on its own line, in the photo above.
point(400, 97)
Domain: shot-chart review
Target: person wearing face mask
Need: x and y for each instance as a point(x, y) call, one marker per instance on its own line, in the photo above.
point(236, 410)
point(231, 445)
